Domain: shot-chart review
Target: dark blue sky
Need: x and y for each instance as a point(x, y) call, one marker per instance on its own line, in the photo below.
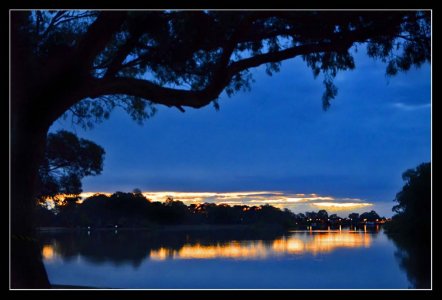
point(277, 138)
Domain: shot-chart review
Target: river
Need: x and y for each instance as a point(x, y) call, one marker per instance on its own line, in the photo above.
point(223, 259)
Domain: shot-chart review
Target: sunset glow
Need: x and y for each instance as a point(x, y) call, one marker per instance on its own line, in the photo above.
point(297, 202)
point(341, 206)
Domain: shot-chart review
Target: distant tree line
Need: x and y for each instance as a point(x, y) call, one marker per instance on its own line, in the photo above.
point(134, 210)
point(322, 217)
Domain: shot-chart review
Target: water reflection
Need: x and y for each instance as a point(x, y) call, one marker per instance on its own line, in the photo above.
point(222, 259)
point(233, 249)
point(133, 246)
point(414, 256)
point(296, 243)
point(48, 252)
point(322, 242)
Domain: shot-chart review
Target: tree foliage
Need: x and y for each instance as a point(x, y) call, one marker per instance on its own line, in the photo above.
point(410, 227)
point(413, 208)
point(369, 216)
point(135, 59)
point(322, 214)
point(67, 160)
point(414, 199)
point(353, 216)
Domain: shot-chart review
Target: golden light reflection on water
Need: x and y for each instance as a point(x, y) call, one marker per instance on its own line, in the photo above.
point(48, 252)
point(233, 249)
point(299, 243)
point(322, 243)
point(313, 243)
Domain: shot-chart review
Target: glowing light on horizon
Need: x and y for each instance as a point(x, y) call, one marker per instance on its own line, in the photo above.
point(293, 201)
point(90, 194)
point(342, 206)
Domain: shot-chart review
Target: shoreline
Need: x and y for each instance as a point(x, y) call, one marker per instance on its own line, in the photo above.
point(202, 227)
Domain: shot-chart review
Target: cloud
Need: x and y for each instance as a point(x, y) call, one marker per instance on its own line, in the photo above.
point(410, 107)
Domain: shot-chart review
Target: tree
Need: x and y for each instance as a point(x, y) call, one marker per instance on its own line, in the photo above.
point(300, 218)
point(334, 217)
point(323, 215)
point(413, 208)
point(414, 200)
point(410, 227)
point(312, 216)
point(66, 161)
point(136, 191)
point(88, 62)
point(354, 217)
point(369, 216)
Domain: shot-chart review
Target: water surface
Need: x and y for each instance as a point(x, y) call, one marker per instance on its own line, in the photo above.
point(233, 259)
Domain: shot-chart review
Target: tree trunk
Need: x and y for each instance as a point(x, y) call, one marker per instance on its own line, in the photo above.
point(41, 91)
point(29, 125)
point(27, 270)
point(27, 149)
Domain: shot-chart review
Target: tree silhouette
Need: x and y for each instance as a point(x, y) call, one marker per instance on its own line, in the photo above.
point(414, 200)
point(322, 215)
point(88, 62)
point(410, 227)
point(66, 161)
point(133, 210)
point(369, 216)
point(354, 217)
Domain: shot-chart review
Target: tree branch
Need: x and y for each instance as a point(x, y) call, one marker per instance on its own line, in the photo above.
point(258, 60)
point(122, 53)
point(338, 42)
point(249, 32)
point(196, 99)
point(149, 91)
point(39, 22)
point(56, 167)
point(99, 34)
point(80, 16)
point(52, 23)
